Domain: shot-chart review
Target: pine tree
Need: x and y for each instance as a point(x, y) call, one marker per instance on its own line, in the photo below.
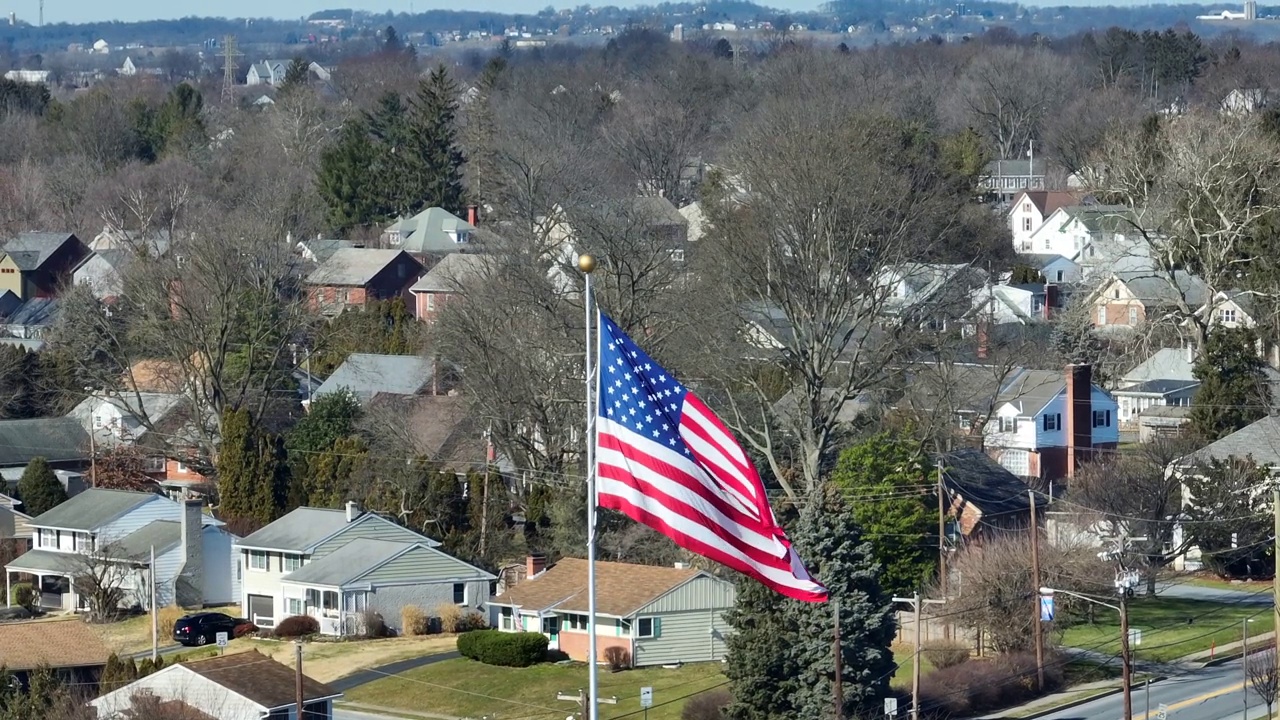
point(1233, 389)
point(345, 179)
point(330, 418)
point(434, 129)
point(253, 478)
point(297, 75)
point(39, 488)
point(780, 663)
point(329, 474)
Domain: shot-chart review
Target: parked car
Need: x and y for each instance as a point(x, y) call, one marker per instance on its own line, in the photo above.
point(203, 628)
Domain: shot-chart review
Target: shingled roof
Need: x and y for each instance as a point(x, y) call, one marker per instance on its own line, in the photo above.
point(30, 250)
point(260, 679)
point(622, 589)
point(56, 644)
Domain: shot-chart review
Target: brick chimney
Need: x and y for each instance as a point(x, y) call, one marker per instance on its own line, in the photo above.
point(535, 564)
point(984, 339)
point(189, 586)
point(473, 215)
point(1050, 300)
point(1079, 415)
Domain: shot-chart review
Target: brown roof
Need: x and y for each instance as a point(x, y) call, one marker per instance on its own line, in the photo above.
point(56, 644)
point(158, 376)
point(259, 678)
point(621, 588)
point(1048, 200)
point(439, 427)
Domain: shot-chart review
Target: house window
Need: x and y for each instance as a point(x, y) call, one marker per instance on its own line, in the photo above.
point(459, 593)
point(431, 301)
point(1026, 224)
point(99, 421)
point(1052, 422)
point(313, 598)
point(292, 562)
point(1133, 315)
point(1101, 418)
point(1017, 462)
point(84, 543)
point(48, 538)
point(624, 628)
point(1102, 314)
point(1008, 424)
point(1226, 316)
point(154, 464)
point(1048, 243)
point(393, 238)
point(1026, 208)
point(647, 627)
point(182, 467)
point(257, 560)
point(504, 619)
point(330, 604)
point(295, 606)
point(677, 255)
point(1059, 276)
point(575, 622)
point(964, 421)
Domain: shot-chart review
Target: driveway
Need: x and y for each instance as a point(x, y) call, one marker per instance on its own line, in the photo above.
point(364, 677)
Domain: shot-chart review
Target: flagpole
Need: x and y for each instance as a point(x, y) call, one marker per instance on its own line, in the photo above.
point(586, 264)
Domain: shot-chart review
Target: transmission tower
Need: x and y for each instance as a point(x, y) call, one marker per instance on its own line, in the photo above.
point(41, 13)
point(229, 55)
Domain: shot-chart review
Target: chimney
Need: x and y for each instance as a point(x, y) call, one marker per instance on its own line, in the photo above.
point(353, 510)
point(188, 589)
point(1079, 415)
point(473, 215)
point(1050, 300)
point(983, 340)
point(535, 564)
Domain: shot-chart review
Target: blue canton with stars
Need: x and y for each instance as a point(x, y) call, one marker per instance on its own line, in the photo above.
point(636, 392)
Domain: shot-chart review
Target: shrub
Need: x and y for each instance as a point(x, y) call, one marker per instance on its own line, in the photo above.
point(373, 624)
point(413, 621)
point(297, 626)
point(472, 620)
point(24, 595)
point(169, 616)
point(618, 658)
point(450, 617)
point(943, 654)
point(243, 629)
point(707, 705)
point(983, 686)
point(146, 667)
point(494, 647)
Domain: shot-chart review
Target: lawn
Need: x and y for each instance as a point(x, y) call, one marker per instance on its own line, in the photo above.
point(1171, 627)
point(466, 688)
point(133, 635)
point(902, 655)
point(327, 661)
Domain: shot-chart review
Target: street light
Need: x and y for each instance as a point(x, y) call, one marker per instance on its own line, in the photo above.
point(1125, 660)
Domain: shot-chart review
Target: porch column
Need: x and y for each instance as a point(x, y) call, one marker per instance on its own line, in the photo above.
point(8, 591)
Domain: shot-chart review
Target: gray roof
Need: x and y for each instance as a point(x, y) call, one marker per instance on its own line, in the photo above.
point(155, 406)
point(353, 266)
point(56, 439)
point(656, 210)
point(432, 231)
point(452, 273)
point(1031, 390)
point(347, 562)
point(321, 249)
point(92, 509)
point(30, 250)
point(1154, 288)
point(1165, 364)
point(162, 535)
point(1040, 261)
point(298, 530)
point(36, 312)
point(42, 560)
point(1259, 441)
point(984, 482)
point(1158, 387)
point(365, 375)
point(1014, 167)
point(964, 387)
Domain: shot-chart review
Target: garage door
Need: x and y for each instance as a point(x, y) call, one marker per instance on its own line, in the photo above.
point(261, 610)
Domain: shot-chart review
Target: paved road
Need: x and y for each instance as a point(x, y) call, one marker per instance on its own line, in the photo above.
point(367, 676)
point(1260, 596)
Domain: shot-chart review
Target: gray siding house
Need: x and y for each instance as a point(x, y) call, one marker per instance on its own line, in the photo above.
point(335, 565)
point(658, 615)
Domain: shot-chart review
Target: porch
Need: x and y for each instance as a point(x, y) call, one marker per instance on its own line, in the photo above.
point(339, 612)
point(51, 575)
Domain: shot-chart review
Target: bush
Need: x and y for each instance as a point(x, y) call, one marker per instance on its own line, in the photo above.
point(450, 617)
point(169, 616)
point(472, 620)
point(618, 658)
point(373, 624)
point(494, 647)
point(984, 686)
point(243, 629)
point(413, 621)
point(24, 595)
point(943, 654)
point(708, 705)
point(297, 626)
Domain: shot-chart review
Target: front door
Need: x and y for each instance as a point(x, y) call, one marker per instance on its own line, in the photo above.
point(551, 628)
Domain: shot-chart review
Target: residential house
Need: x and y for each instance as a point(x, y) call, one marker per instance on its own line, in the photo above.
point(127, 69)
point(445, 282)
point(27, 319)
point(365, 375)
point(930, 294)
point(982, 498)
point(33, 77)
point(958, 397)
point(1025, 304)
point(15, 525)
point(1098, 238)
point(40, 264)
point(1029, 210)
point(432, 232)
point(1244, 101)
point(352, 278)
point(336, 565)
point(102, 272)
point(117, 529)
point(59, 440)
point(145, 420)
point(154, 243)
point(239, 686)
point(1053, 268)
point(1162, 422)
point(73, 650)
point(696, 220)
point(1046, 423)
point(1164, 364)
point(1004, 179)
point(267, 72)
point(653, 218)
point(440, 427)
point(1127, 300)
point(1136, 400)
point(658, 615)
point(1230, 309)
point(321, 249)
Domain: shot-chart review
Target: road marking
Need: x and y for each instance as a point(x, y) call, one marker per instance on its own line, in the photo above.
point(1197, 699)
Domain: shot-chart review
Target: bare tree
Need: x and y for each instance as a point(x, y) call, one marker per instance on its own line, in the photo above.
point(99, 575)
point(1264, 677)
point(1008, 109)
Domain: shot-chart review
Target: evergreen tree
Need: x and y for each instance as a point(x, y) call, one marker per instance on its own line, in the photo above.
point(434, 131)
point(330, 418)
point(780, 663)
point(903, 527)
point(253, 476)
point(345, 179)
point(1024, 275)
point(1233, 387)
point(297, 75)
point(723, 49)
point(391, 42)
point(39, 488)
point(329, 474)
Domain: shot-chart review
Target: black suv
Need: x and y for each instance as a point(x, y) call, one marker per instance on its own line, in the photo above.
point(203, 628)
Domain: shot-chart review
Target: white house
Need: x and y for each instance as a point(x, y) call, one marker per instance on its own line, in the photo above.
point(1046, 422)
point(1029, 210)
point(33, 77)
point(1054, 268)
point(240, 686)
point(100, 528)
point(267, 72)
point(1022, 304)
point(128, 69)
point(334, 565)
point(1243, 102)
point(1098, 238)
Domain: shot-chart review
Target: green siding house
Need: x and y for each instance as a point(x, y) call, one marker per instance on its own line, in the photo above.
point(657, 615)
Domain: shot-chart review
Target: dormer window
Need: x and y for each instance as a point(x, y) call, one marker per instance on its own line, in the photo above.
point(460, 238)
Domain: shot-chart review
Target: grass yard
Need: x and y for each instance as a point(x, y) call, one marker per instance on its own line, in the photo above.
point(327, 661)
point(466, 688)
point(133, 635)
point(902, 655)
point(1213, 581)
point(1171, 627)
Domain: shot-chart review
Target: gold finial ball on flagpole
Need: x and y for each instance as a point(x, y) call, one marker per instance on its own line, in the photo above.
point(586, 263)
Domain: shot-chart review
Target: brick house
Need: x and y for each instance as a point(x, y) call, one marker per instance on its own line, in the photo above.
point(354, 277)
point(39, 265)
point(445, 282)
point(1127, 300)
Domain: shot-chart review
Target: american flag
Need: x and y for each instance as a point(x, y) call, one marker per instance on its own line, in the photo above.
point(665, 460)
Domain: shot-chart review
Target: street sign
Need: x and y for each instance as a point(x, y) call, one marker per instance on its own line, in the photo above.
point(222, 639)
point(646, 697)
point(1046, 608)
point(1162, 712)
point(891, 707)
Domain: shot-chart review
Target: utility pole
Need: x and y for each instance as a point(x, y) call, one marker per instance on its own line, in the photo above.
point(297, 671)
point(1126, 672)
point(942, 544)
point(837, 684)
point(1275, 508)
point(917, 603)
point(155, 612)
point(93, 458)
point(1035, 592)
point(1244, 662)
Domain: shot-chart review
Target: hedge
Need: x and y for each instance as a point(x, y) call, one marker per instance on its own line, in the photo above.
point(297, 626)
point(494, 647)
